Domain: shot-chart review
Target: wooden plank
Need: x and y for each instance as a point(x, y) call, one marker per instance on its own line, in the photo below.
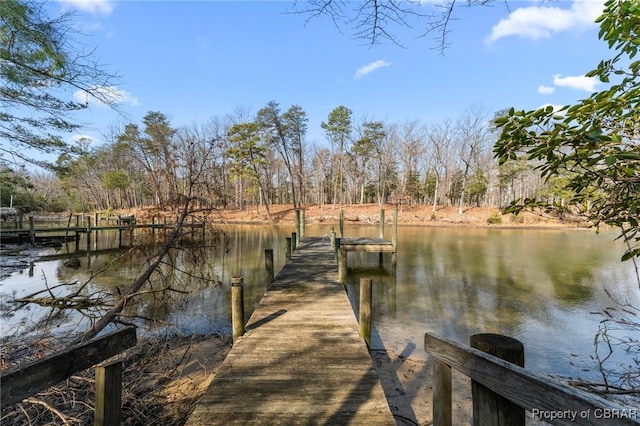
point(371, 245)
point(368, 248)
point(300, 360)
point(24, 381)
point(529, 391)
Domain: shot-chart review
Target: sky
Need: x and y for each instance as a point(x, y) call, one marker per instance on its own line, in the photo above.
point(194, 60)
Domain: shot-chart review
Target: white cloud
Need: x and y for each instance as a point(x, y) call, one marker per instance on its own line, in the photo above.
point(579, 82)
point(110, 94)
point(537, 22)
point(546, 90)
point(96, 7)
point(362, 71)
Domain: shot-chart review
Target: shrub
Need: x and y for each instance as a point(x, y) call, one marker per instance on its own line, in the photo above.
point(494, 219)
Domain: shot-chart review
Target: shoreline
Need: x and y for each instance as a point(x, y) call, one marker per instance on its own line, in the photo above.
point(369, 214)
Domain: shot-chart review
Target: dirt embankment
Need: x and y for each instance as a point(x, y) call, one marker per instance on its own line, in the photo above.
point(369, 214)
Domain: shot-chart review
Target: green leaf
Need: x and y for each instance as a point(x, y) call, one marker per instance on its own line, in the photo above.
point(628, 255)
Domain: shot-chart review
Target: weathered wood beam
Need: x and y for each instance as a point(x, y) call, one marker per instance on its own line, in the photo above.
point(33, 377)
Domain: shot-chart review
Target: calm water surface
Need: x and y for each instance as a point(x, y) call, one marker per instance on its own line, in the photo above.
point(543, 287)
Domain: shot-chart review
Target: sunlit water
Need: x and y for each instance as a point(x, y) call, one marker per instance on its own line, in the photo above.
point(545, 288)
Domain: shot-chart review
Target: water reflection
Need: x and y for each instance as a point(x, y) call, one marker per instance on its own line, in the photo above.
point(538, 286)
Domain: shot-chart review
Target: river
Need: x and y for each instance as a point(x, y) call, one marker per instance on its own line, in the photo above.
point(546, 288)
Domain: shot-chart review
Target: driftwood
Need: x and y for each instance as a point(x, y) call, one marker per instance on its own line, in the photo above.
point(75, 302)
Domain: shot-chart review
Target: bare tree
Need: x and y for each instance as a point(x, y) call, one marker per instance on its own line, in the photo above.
point(412, 148)
point(472, 139)
point(441, 136)
point(380, 21)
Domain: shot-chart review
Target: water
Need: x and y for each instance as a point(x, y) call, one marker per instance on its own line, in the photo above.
point(545, 288)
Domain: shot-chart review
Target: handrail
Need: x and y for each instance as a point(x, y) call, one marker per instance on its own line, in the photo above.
point(551, 401)
point(23, 381)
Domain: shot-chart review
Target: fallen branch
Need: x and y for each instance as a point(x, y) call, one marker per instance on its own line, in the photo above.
point(52, 409)
point(139, 282)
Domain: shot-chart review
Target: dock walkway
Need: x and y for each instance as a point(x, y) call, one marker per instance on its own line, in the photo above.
point(301, 360)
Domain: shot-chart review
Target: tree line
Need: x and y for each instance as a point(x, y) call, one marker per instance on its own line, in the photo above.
point(256, 160)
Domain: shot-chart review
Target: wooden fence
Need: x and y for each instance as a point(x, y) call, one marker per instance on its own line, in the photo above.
point(24, 381)
point(545, 399)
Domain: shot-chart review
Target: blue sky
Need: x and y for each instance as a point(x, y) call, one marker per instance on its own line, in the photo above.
point(198, 59)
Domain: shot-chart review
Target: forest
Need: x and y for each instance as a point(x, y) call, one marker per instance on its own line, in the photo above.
point(248, 160)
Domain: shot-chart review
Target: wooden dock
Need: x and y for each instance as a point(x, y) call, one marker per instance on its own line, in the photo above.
point(70, 233)
point(301, 360)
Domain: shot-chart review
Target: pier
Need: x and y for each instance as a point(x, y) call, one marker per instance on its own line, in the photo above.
point(35, 233)
point(301, 359)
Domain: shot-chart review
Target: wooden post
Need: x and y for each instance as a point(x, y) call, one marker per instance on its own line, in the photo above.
point(96, 221)
point(95, 239)
point(364, 317)
point(237, 307)
point(394, 237)
point(268, 263)
point(78, 220)
point(490, 408)
point(287, 251)
point(381, 223)
point(332, 238)
point(32, 230)
point(153, 225)
point(442, 410)
point(341, 223)
point(298, 231)
point(294, 241)
point(88, 233)
point(342, 265)
point(108, 394)
point(394, 229)
point(336, 246)
point(132, 229)
point(302, 224)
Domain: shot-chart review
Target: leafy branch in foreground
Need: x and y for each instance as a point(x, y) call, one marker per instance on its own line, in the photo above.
point(40, 64)
point(596, 141)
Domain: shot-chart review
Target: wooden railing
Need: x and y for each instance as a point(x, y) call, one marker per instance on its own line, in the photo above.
point(546, 400)
point(24, 381)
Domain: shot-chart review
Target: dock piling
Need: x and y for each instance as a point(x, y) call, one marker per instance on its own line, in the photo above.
point(268, 263)
point(364, 316)
point(88, 233)
point(237, 307)
point(288, 248)
point(298, 233)
point(294, 241)
point(342, 265)
point(32, 230)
